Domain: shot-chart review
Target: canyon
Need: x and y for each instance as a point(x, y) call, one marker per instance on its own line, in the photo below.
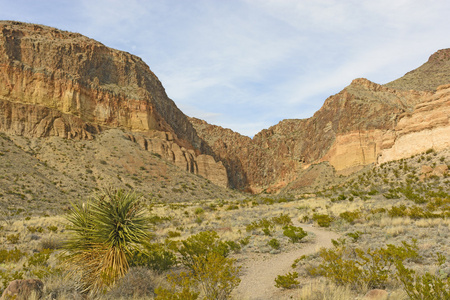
point(55, 83)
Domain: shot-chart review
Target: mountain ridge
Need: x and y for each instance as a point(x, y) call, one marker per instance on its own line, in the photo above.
point(57, 83)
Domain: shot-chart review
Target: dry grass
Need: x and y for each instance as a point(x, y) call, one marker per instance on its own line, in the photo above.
point(230, 216)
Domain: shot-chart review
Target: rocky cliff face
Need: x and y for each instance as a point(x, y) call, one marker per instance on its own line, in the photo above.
point(58, 83)
point(363, 124)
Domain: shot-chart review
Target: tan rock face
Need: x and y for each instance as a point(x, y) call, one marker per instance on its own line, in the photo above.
point(74, 75)
point(351, 130)
point(57, 83)
point(162, 144)
point(428, 126)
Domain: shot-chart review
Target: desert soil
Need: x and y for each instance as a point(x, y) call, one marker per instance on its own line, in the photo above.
point(260, 270)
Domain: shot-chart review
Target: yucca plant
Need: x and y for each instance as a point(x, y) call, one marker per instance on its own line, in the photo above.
point(104, 233)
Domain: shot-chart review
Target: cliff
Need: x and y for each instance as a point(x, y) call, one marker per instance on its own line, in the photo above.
point(363, 124)
point(58, 83)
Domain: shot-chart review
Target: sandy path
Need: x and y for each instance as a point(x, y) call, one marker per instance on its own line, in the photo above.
point(260, 270)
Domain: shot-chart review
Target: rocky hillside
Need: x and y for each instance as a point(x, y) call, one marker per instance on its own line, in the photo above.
point(58, 83)
point(363, 124)
point(433, 73)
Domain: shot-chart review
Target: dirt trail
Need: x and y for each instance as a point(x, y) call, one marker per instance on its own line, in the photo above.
point(260, 271)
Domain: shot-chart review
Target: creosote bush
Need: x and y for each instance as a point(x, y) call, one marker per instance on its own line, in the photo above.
point(322, 220)
point(208, 269)
point(346, 265)
point(295, 234)
point(287, 281)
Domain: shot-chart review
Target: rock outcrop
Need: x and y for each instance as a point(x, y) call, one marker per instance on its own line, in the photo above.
point(58, 83)
point(360, 125)
point(365, 123)
point(162, 144)
point(23, 289)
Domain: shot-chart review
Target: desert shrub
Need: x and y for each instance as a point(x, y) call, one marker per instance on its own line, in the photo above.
point(392, 194)
point(13, 255)
point(265, 224)
point(425, 287)
point(155, 220)
point(354, 235)
point(233, 246)
point(200, 245)
point(355, 267)
point(173, 234)
point(410, 194)
point(397, 211)
point(104, 233)
point(205, 257)
point(13, 238)
point(199, 211)
point(282, 219)
point(295, 234)
point(322, 220)
point(372, 192)
point(244, 241)
point(274, 243)
point(34, 229)
point(39, 258)
point(232, 207)
point(52, 228)
point(350, 216)
point(155, 256)
point(181, 287)
point(287, 281)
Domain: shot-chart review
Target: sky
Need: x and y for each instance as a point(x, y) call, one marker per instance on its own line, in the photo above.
point(248, 64)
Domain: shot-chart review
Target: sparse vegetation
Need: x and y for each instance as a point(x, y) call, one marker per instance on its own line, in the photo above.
point(357, 209)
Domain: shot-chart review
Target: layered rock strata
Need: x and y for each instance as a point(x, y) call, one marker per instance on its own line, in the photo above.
point(58, 83)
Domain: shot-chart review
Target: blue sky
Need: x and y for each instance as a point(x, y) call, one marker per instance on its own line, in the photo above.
point(248, 64)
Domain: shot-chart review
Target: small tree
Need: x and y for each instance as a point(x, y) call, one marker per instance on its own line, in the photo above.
point(103, 234)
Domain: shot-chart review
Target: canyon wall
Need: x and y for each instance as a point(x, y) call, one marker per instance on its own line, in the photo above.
point(58, 83)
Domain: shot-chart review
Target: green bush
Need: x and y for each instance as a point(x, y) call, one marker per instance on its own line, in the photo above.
point(274, 243)
point(13, 255)
point(425, 287)
point(282, 219)
point(350, 216)
point(13, 238)
point(173, 234)
point(322, 220)
point(34, 229)
point(287, 281)
point(295, 234)
point(355, 267)
point(154, 256)
point(205, 257)
point(399, 211)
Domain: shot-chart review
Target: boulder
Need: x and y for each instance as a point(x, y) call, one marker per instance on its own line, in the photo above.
point(23, 289)
point(376, 294)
